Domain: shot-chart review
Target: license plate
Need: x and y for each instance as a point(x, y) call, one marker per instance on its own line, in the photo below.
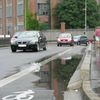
point(22, 45)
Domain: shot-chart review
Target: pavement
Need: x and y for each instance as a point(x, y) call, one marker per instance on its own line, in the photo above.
point(72, 95)
point(74, 92)
point(91, 79)
point(95, 70)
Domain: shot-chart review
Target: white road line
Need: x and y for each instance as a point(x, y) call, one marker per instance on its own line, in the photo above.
point(24, 72)
point(33, 68)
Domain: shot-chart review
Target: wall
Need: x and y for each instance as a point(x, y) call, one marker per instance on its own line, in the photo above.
point(52, 35)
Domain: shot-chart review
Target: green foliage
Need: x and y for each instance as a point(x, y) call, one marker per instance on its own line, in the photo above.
point(72, 12)
point(31, 22)
point(43, 26)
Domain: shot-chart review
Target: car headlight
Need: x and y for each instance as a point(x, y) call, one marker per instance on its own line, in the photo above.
point(13, 41)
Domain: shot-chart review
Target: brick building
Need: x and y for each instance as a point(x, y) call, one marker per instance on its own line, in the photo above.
point(11, 16)
point(12, 13)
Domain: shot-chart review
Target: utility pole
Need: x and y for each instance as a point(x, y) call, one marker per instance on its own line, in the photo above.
point(85, 16)
point(49, 3)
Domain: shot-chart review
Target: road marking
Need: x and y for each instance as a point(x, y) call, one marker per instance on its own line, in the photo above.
point(21, 95)
point(34, 68)
point(54, 57)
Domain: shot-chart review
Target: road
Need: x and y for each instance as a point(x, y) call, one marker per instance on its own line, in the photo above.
point(11, 63)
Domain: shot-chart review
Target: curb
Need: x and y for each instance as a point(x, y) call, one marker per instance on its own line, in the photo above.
point(85, 76)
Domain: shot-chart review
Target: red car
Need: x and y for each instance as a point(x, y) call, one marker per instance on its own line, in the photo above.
point(65, 39)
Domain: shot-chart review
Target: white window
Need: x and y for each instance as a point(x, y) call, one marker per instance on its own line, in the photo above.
point(20, 10)
point(0, 12)
point(9, 11)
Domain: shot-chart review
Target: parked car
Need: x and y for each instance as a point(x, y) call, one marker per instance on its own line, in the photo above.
point(83, 40)
point(33, 40)
point(65, 39)
point(76, 38)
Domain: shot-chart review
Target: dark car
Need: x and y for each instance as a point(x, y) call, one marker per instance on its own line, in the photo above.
point(33, 40)
point(65, 39)
point(83, 40)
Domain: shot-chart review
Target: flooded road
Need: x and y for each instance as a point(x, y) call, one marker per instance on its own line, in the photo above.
point(26, 80)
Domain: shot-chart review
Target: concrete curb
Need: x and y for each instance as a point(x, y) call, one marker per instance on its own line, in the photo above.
point(85, 76)
point(83, 81)
point(89, 92)
point(75, 81)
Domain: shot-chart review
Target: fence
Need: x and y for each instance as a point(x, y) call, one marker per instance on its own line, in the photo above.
point(4, 40)
point(52, 35)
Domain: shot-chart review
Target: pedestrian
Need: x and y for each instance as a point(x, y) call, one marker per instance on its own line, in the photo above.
point(94, 39)
point(84, 33)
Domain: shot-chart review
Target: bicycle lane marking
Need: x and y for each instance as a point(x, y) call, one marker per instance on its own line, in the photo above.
point(34, 67)
point(25, 95)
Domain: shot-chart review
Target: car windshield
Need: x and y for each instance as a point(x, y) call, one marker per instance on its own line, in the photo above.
point(64, 36)
point(27, 34)
point(76, 37)
point(83, 37)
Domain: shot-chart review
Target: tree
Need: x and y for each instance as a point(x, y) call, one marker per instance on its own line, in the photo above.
point(31, 22)
point(72, 12)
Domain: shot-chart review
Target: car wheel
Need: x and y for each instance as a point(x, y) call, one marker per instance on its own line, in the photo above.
point(86, 44)
point(72, 44)
point(37, 47)
point(44, 48)
point(13, 49)
point(79, 43)
point(58, 44)
point(24, 50)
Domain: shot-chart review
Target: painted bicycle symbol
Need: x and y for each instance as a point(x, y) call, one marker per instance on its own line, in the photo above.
point(21, 95)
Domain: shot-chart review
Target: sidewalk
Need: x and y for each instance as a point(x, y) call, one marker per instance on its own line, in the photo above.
point(72, 95)
point(95, 70)
point(74, 91)
point(75, 84)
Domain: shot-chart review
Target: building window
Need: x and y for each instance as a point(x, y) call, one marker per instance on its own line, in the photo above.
point(9, 11)
point(0, 12)
point(20, 1)
point(42, 9)
point(8, 2)
point(20, 10)
point(0, 28)
point(20, 27)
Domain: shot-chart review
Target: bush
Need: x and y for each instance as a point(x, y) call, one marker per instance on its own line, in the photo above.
point(43, 26)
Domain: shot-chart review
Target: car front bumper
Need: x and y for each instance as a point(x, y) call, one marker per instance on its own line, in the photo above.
point(23, 46)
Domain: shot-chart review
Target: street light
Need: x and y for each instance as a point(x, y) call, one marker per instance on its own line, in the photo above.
point(85, 16)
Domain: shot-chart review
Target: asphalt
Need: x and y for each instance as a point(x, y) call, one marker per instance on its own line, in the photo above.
point(75, 93)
